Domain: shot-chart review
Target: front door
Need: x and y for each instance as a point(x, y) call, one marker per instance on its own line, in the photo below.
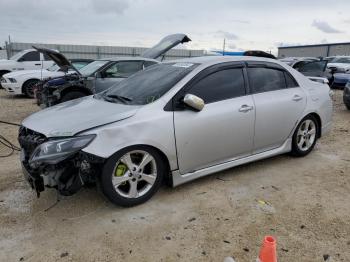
point(223, 130)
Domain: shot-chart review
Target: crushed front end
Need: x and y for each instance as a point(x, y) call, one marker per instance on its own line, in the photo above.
point(48, 92)
point(67, 170)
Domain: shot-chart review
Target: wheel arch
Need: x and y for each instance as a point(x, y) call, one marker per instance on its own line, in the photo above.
point(319, 122)
point(28, 80)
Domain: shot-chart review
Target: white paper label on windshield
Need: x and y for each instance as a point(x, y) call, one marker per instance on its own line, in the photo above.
point(185, 65)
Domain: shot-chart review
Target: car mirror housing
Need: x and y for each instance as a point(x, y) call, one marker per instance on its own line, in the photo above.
point(194, 102)
point(99, 75)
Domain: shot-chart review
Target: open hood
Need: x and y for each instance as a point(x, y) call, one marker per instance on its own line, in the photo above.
point(165, 45)
point(58, 58)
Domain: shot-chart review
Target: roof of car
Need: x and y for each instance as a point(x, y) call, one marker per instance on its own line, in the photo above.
point(128, 58)
point(219, 59)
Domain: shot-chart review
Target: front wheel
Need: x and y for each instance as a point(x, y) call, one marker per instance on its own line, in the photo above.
point(28, 88)
point(305, 136)
point(132, 176)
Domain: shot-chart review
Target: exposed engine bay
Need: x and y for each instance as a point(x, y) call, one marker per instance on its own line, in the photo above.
point(67, 176)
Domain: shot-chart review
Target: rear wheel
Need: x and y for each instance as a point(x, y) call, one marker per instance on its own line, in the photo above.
point(28, 88)
point(305, 136)
point(72, 95)
point(132, 176)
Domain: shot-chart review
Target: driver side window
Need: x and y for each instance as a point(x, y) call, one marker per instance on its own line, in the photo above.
point(123, 69)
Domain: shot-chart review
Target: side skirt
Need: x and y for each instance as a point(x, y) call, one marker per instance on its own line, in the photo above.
point(179, 179)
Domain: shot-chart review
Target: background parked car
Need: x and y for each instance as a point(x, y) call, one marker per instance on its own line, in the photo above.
point(340, 80)
point(314, 68)
point(24, 81)
point(340, 64)
point(25, 60)
point(100, 74)
point(346, 95)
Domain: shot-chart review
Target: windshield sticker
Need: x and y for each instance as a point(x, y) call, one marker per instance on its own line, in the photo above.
point(185, 65)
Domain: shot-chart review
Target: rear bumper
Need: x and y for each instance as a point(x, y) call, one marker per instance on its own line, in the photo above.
point(326, 128)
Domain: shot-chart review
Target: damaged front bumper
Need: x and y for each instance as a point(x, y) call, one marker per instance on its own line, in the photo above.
point(67, 174)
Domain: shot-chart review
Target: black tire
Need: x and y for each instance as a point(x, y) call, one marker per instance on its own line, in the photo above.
point(72, 95)
point(28, 87)
point(296, 151)
point(105, 181)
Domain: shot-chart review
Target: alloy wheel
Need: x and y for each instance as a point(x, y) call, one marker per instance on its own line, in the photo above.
point(306, 135)
point(134, 174)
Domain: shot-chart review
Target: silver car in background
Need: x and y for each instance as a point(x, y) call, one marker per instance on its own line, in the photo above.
point(179, 121)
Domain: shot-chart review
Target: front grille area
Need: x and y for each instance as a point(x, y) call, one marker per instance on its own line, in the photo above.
point(29, 140)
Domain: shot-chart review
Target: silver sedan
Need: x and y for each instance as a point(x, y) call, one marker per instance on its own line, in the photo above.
point(176, 121)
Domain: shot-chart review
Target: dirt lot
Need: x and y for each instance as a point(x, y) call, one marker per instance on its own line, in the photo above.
point(205, 220)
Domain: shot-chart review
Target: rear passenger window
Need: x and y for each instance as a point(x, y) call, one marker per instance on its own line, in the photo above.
point(290, 81)
point(265, 79)
point(220, 85)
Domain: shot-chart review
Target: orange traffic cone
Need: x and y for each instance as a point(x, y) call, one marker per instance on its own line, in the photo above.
point(268, 250)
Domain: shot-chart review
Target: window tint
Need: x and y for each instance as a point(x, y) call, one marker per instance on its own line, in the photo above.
point(31, 56)
point(266, 79)
point(46, 57)
point(290, 81)
point(149, 63)
point(220, 85)
point(123, 69)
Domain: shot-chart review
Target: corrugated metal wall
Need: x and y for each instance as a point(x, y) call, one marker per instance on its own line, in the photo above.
point(95, 52)
point(315, 51)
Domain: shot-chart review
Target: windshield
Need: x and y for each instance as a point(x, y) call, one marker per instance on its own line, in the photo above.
point(18, 55)
point(92, 67)
point(342, 60)
point(53, 68)
point(147, 86)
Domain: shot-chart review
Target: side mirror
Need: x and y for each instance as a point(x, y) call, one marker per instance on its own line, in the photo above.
point(194, 102)
point(99, 75)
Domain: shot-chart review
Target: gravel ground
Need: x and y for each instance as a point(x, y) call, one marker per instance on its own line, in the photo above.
point(220, 215)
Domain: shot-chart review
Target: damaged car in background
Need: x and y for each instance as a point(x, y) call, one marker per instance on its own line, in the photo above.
point(178, 121)
point(100, 74)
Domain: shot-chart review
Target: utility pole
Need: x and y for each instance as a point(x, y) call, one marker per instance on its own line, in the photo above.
point(9, 48)
point(223, 47)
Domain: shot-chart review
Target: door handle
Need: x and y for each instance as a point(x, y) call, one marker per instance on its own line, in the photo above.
point(297, 98)
point(37, 64)
point(245, 108)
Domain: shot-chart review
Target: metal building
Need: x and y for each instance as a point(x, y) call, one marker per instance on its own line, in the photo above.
point(96, 52)
point(315, 50)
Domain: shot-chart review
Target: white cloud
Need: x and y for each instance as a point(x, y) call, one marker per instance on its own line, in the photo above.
point(225, 34)
point(325, 27)
point(110, 6)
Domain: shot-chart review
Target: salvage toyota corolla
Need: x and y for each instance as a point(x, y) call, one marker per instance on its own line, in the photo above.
point(178, 121)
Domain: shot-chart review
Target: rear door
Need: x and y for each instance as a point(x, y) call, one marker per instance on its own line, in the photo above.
point(224, 129)
point(279, 103)
point(116, 72)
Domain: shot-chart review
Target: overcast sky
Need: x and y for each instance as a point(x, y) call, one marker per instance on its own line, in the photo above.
point(246, 24)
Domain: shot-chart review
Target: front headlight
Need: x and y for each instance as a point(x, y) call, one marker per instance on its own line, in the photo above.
point(12, 80)
point(54, 151)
